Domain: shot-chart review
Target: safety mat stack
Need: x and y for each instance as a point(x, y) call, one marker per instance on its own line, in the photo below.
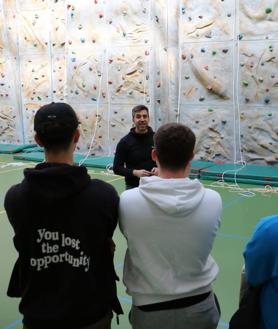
point(14, 148)
point(249, 174)
point(198, 166)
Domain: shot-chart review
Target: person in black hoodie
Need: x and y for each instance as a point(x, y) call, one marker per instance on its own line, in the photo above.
point(63, 222)
point(133, 153)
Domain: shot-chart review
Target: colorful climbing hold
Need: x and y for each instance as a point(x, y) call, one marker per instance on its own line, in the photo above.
point(268, 10)
point(267, 100)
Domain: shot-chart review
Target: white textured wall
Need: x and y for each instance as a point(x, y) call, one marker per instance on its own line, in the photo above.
point(211, 64)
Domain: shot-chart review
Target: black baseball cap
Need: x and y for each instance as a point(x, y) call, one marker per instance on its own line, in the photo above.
point(55, 115)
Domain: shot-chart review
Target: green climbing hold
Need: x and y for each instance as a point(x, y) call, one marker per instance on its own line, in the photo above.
point(268, 10)
point(214, 52)
point(210, 109)
point(245, 83)
point(270, 114)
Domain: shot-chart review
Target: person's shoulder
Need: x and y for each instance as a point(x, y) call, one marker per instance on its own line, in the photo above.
point(125, 138)
point(100, 187)
point(267, 226)
point(213, 198)
point(15, 192)
point(14, 198)
point(213, 194)
point(129, 195)
point(124, 141)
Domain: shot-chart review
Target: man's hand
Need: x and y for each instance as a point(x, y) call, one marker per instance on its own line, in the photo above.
point(141, 173)
point(154, 171)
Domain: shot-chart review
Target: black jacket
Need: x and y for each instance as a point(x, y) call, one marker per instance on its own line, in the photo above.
point(63, 223)
point(134, 152)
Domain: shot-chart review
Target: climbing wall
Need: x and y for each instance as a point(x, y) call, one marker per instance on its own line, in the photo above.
point(10, 119)
point(211, 64)
point(227, 78)
point(258, 80)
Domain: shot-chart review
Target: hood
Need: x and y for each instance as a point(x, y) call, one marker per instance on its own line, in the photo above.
point(174, 196)
point(55, 181)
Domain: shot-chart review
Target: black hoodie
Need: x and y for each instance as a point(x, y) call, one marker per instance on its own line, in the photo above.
point(63, 223)
point(134, 152)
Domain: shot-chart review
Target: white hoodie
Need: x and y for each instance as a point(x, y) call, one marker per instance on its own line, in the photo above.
point(170, 226)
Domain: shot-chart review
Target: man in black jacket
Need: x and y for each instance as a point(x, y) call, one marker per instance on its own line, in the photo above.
point(63, 222)
point(133, 153)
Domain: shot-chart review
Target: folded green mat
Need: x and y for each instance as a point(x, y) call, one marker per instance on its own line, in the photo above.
point(12, 148)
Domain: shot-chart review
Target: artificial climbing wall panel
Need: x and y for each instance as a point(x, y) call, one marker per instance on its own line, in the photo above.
point(211, 64)
point(10, 118)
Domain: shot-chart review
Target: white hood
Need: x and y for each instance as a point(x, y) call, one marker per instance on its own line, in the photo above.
point(175, 196)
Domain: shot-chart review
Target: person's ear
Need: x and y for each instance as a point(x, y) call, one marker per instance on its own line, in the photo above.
point(154, 155)
point(76, 136)
point(37, 140)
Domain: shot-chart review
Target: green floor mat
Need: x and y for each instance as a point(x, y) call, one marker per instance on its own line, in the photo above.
point(250, 173)
point(13, 148)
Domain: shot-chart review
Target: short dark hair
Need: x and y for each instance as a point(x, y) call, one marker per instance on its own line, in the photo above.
point(139, 108)
point(55, 124)
point(174, 143)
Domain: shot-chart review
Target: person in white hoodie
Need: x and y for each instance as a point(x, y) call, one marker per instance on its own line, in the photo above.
point(170, 223)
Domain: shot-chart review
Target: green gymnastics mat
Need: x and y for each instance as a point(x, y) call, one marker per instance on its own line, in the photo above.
point(252, 174)
point(32, 156)
point(13, 148)
point(95, 162)
point(197, 166)
point(33, 149)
